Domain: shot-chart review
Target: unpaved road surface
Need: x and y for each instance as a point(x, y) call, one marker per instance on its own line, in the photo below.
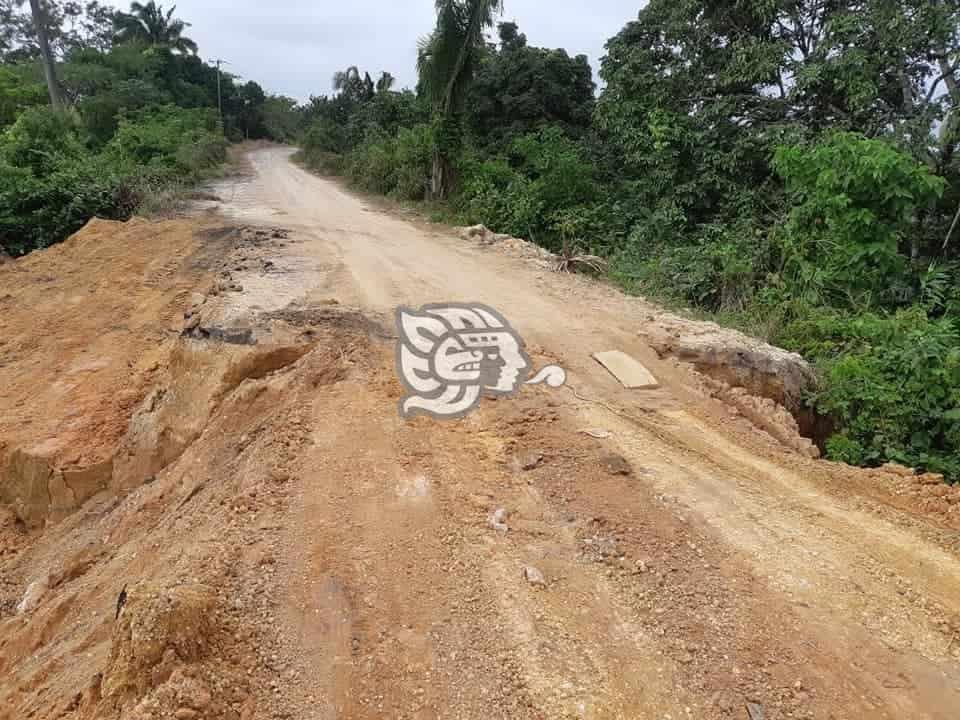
point(347, 567)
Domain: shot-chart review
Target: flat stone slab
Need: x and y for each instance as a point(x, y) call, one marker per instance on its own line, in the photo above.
point(631, 374)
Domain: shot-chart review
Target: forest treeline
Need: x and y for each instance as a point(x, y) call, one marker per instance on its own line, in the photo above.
point(787, 165)
point(131, 117)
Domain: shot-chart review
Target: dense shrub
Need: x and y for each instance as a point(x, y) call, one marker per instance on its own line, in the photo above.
point(891, 383)
point(169, 140)
point(51, 183)
point(542, 189)
point(721, 270)
point(17, 93)
point(398, 166)
point(854, 207)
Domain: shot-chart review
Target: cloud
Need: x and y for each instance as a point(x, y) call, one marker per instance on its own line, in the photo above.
point(293, 47)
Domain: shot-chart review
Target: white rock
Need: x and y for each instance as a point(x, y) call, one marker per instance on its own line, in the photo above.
point(533, 576)
point(31, 598)
point(498, 520)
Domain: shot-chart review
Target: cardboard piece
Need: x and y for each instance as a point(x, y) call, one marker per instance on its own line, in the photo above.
point(631, 374)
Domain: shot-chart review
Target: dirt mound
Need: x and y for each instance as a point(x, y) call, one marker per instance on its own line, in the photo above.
point(187, 528)
point(924, 492)
point(83, 326)
point(106, 374)
point(157, 625)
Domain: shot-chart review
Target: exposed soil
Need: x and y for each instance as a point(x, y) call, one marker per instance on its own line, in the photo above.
point(252, 531)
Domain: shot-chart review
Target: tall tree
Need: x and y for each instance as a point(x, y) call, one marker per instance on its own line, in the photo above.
point(385, 82)
point(149, 24)
point(70, 26)
point(352, 86)
point(38, 13)
point(344, 79)
point(521, 88)
point(446, 62)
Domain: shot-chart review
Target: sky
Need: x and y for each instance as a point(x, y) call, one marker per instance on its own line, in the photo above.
point(293, 47)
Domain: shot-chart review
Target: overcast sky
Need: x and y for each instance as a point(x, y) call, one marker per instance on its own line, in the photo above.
point(293, 47)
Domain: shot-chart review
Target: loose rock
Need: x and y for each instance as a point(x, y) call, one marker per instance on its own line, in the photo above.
point(31, 598)
point(533, 576)
point(528, 460)
point(498, 520)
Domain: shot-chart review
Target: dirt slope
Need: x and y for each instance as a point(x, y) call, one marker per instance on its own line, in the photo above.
point(292, 548)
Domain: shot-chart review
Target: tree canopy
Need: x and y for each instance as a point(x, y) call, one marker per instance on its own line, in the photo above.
point(150, 25)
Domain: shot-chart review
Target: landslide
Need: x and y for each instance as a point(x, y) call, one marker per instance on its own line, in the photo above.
point(147, 431)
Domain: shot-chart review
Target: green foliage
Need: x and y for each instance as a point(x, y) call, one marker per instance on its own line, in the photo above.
point(397, 166)
point(892, 384)
point(519, 89)
point(854, 206)
point(281, 118)
point(51, 183)
point(537, 190)
point(17, 93)
point(169, 140)
point(721, 271)
point(141, 122)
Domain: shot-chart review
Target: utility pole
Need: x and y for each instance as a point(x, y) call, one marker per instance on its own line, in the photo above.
point(218, 61)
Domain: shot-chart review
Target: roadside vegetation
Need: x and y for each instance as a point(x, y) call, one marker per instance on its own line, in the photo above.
point(122, 115)
point(788, 167)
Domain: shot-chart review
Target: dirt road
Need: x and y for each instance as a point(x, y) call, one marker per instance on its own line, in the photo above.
point(693, 566)
point(761, 573)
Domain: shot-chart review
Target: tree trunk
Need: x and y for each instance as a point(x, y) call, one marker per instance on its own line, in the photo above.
point(441, 178)
point(442, 170)
point(461, 60)
point(948, 125)
point(46, 55)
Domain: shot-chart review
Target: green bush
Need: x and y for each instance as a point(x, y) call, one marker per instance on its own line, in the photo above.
point(169, 140)
point(891, 384)
point(854, 206)
point(17, 93)
point(414, 155)
point(324, 136)
point(720, 270)
point(397, 166)
point(37, 211)
point(536, 191)
point(326, 163)
point(51, 183)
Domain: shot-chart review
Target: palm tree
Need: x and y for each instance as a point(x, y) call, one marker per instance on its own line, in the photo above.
point(150, 25)
point(385, 82)
point(445, 63)
point(351, 85)
point(46, 55)
point(346, 79)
